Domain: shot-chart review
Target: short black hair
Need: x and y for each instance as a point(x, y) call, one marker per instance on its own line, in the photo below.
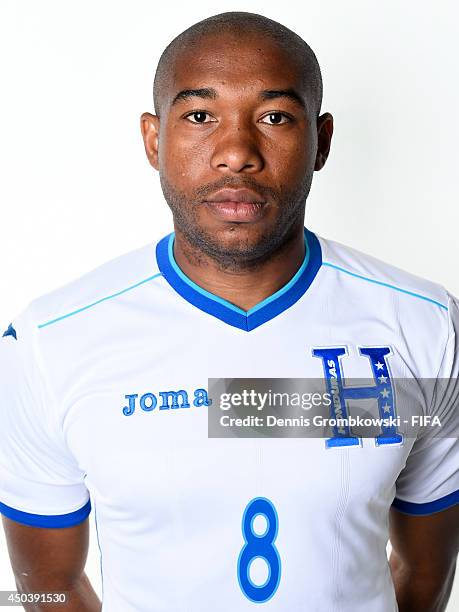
point(243, 23)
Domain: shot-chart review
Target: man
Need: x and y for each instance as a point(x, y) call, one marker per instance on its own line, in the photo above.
point(104, 381)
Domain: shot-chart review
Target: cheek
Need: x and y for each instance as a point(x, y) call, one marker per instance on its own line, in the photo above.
point(292, 155)
point(181, 161)
point(289, 166)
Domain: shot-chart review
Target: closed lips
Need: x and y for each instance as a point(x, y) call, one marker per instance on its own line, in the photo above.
point(240, 195)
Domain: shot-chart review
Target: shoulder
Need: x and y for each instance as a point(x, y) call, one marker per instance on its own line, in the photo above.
point(421, 315)
point(109, 281)
point(369, 275)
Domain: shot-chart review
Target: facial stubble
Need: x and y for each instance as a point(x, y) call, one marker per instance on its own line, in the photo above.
point(237, 254)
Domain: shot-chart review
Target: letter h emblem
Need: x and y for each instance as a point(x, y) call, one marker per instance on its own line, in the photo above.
point(382, 391)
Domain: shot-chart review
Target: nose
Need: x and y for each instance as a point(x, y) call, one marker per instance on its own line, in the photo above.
point(237, 151)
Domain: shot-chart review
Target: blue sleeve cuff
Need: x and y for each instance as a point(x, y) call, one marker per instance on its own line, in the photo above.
point(49, 521)
point(428, 508)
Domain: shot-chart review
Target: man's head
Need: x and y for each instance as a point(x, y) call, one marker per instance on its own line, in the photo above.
point(237, 100)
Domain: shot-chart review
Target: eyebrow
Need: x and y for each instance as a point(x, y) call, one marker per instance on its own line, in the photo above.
point(267, 94)
point(290, 93)
point(203, 92)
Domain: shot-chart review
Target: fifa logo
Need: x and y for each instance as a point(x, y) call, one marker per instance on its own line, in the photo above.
point(382, 391)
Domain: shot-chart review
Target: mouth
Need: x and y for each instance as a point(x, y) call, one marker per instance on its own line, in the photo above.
point(237, 205)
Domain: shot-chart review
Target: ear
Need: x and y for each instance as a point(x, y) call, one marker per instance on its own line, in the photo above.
point(324, 136)
point(149, 126)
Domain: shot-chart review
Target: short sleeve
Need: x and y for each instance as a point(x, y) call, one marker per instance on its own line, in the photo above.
point(41, 483)
point(430, 480)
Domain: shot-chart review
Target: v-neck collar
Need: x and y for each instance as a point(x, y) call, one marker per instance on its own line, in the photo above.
point(216, 306)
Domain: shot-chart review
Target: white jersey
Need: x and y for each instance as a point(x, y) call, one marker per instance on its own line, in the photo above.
point(104, 407)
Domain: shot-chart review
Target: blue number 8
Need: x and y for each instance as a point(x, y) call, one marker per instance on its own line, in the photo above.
point(259, 546)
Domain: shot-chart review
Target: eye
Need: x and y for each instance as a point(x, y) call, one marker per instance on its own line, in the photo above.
point(275, 118)
point(199, 117)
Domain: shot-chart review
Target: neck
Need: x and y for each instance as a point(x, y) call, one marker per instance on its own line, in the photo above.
point(246, 287)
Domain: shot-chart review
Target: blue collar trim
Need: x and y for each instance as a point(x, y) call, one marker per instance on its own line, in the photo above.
point(216, 306)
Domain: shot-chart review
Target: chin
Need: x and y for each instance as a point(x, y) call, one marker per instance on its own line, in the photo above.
point(238, 241)
point(239, 233)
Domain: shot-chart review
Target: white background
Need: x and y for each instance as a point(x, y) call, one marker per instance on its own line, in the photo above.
point(76, 189)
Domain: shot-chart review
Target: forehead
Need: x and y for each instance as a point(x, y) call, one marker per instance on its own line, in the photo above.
point(235, 62)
